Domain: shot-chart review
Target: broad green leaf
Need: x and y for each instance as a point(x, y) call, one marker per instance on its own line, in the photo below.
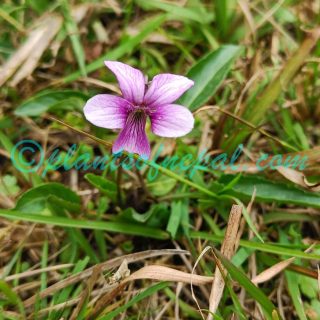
point(118, 227)
point(51, 100)
point(161, 186)
point(38, 199)
point(309, 287)
point(268, 191)
point(208, 74)
point(156, 216)
point(106, 186)
point(315, 307)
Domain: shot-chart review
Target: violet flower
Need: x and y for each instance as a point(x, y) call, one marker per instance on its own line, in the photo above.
point(138, 102)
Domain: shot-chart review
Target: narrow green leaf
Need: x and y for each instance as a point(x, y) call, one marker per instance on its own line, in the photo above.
point(175, 218)
point(188, 310)
point(66, 293)
point(246, 283)
point(16, 24)
point(177, 12)
point(293, 288)
point(249, 220)
point(74, 34)
point(12, 297)
point(143, 295)
point(276, 217)
point(264, 247)
point(77, 236)
point(222, 16)
point(121, 49)
point(119, 227)
point(44, 264)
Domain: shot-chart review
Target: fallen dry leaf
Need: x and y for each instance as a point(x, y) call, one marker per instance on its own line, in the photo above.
point(272, 271)
point(152, 272)
point(298, 178)
point(134, 257)
point(162, 273)
point(86, 292)
point(28, 55)
point(227, 249)
point(48, 29)
point(275, 269)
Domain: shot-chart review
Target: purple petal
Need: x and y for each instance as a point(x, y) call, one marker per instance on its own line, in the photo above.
point(107, 111)
point(133, 138)
point(131, 81)
point(171, 121)
point(166, 88)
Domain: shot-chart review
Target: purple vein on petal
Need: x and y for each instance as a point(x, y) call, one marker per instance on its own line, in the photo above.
point(171, 121)
point(133, 138)
point(131, 81)
point(166, 88)
point(107, 111)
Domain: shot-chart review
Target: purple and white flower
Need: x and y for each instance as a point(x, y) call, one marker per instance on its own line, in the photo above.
point(138, 102)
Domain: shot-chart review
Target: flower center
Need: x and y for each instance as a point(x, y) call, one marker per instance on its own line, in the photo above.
point(142, 109)
point(137, 117)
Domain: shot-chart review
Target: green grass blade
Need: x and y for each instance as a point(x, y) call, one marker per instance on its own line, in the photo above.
point(177, 12)
point(246, 283)
point(74, 34)
point(264, 247)
point(122, 49)
point(143, 295)
point(249, 220)
point(294, 291)
point(119, 227)
point(12, 297)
